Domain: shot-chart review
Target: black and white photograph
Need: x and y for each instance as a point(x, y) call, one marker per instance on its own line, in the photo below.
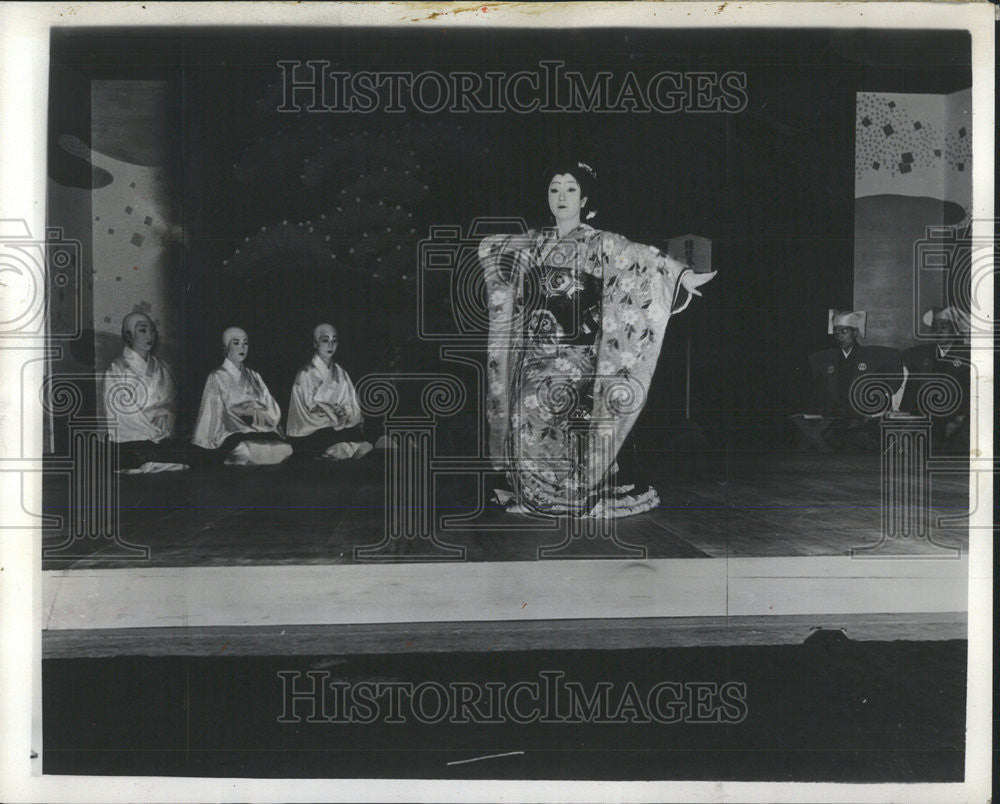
point(586, 402)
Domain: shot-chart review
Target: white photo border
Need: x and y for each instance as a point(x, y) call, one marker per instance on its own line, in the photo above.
point(24, 63)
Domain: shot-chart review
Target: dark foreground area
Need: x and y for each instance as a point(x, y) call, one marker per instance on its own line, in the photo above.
point(827, 710)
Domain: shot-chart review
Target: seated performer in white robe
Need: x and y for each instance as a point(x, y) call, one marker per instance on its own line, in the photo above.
point(238, 417)
point(324, 415)
point(140, 397)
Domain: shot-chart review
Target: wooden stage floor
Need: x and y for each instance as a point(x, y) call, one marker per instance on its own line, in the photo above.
point(748, 575)
point(756, 549)
point(756, 505)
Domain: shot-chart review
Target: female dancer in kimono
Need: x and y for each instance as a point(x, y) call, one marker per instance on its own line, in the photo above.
point(140, 401)
point(238, 417)
point(577, 317)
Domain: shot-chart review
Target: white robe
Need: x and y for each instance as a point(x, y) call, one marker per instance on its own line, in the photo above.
point(225, 388)
point(139, 398)
point(322, 397)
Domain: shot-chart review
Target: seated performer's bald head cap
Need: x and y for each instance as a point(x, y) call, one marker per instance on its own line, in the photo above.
point(129, 324)
point(230, 333)
point(319, 331)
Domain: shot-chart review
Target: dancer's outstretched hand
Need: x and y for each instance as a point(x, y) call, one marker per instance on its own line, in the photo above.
point(691, 281)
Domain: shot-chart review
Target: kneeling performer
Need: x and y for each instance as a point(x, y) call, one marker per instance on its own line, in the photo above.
point(324, 416)
point(238, 417)
point(140, 399)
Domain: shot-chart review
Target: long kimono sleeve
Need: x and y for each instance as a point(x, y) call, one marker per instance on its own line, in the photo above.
point(302, 419)
point(172, 407)
point(109, 381)
point(123, 396)
point(138, 407)
point(642, 289)
point(209, 428)
point(504, 260)
point(163, 410)
point(159, 413)
point(267, 418)
point(344, 396)
point(318, 402)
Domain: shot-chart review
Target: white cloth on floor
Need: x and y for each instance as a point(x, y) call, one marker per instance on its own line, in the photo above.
point(139, 398)
point(502, 496)
point(153, 467)
point(347, 449)
point(258, 453)
point(322, 397)
point(235, 400)
point(627, 505)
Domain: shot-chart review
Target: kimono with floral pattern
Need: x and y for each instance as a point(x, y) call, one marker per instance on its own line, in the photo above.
point(576, 325)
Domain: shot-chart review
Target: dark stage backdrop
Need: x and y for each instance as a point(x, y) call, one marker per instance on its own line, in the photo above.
point(266, 196)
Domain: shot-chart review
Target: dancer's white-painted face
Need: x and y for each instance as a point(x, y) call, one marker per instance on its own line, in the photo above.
point(565, 198)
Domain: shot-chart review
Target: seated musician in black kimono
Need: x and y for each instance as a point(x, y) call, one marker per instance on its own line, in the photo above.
point(841, 390)
point(938, 381)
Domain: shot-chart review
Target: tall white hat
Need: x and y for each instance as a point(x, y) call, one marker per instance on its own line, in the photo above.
point(957, 317)
point(848, 318)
